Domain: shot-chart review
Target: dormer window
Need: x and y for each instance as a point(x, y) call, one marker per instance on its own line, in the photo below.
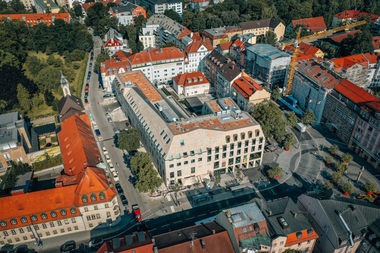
point(44, 216)
point(3, 223)
point(13, 221)
point(24, 220)
point(93, 197)
point(34, 218)
point(53, 214)
point(84, 199)
point(73, 210)
point(63, 212)
point(102, 196)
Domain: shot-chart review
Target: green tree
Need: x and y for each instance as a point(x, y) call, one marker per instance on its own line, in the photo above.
point(308, 117)
point(62, 10)
point(48, 51)
point(269, 38)
point(16, 169)
point(139, 22)
point(169, 44)
point(328, 185)
point(187, 18)
point(274, 172)
point(348, 188)
point(3, 106)
point(291, 119)
point(238, 173)
point(289, 140)
point(276, 94)
point(370, 187)
point(78, 10)
point(18, 6)
point(8, 59)
point(333, 149)
point(129, 140)
point(99, 59)
point(346, 158)
point(50, 60)
point(342, 167)
point(49, 98)
point(329, 159)
point(218, 178)
point(172, 15)
point(291, 251)
point(336, 177)
point(23, 97)
point(214, 22)
point(49, 78)
point(147, 176)
point(304, 31)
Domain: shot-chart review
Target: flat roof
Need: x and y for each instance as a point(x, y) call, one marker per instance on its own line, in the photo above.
point(244, 215)
point(268, 52)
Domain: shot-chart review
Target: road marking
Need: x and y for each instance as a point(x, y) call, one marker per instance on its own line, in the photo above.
point(168, 197)
point(172, 208)
point(202, 214)
point(214, 211)
point(165, 225)
point(146, 212)
point(152, 229)
point(190, 218)
point(177, 222)
point(155, 218)
point(148, 216)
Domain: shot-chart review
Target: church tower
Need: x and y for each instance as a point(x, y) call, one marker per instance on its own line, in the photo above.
point(65, 86)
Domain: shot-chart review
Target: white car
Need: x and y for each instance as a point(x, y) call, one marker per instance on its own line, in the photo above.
point(108, 158)
point(115, 176)
point(105, 151)
point(112, 168)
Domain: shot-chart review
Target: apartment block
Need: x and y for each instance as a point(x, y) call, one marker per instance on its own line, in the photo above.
point(315, 24)
point(14, 140)
point(35, 19)
point(187, 149)
point(191, 84)
point(197, 51)
point(351, 16)
point(46, 6)
point(126, 12)
point(237, 52)
point(261, 27)
point(222, 34)
point(268, 64)
point(201, 4)
point(221, 73)
point(160, 6)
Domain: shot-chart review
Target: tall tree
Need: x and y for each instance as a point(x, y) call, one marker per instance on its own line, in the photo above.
point(23, 97)
point(308, 117)
point(129, 140)
point(172, 14)
point(78, 10)
point(291, 119)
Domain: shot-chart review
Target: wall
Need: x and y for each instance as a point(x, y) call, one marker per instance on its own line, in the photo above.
point(222, 220)
point(279, 31)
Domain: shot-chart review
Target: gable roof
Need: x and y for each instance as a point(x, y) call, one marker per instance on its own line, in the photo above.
point(198, 41)
point(306, 51)
point(259, 24)
point(68, 102)
point(354, 92)
point(376, 43)
point(318, 73)
point(355, 14)
point(124, 6)
point(157, 54)
point(35, 18)
point(349, 61)
point(246, 86)
point(315, 24)
point(88, 5)
point(225, 46)
point(228, 69)
point(78, 146)
point(187, 79)
point(338, 38)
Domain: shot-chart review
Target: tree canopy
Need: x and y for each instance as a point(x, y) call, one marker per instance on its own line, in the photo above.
point(129, 140)
point(147, 176)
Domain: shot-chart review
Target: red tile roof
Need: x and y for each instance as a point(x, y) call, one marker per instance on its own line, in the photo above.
point(354, 92)
point(355, 14)
point(183, 79)
point(114, 65)
point(246, 86)
point(225, 46)
point(315, 24)
point(374, 106)
point(349, 61)
point(113, 43)
point(319, 74)
point(198, 41)
point(238, 46)
point(292, 238)
point(78, 145)
point(34, 18)
point(376, 43)
point(339, 38)
point(136, 246)
point(158, 54)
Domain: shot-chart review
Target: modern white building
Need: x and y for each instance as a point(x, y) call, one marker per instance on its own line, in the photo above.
point(160, 6)
point(191, 84)
point(126, 12)
point(187, 149)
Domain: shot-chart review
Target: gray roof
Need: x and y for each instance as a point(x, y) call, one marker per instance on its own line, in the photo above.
point(267, 51)
point(69, 102)
point(44, 5)
point(284, 208)
point(219, 31)
point(164, 1)
point(166, 23)
point(8, 127)
point(259, 24)
point(245, 37)
point(244, 215)
point(124, 6)
point(228, 69)
point(113, 34)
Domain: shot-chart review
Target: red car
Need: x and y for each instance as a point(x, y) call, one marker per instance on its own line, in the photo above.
point(136, 212)
point(86, 87)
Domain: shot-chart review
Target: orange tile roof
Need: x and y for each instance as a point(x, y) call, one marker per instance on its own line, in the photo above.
point(354, 92)
point(113, 43)
point(318, 74)
point(78, 146)
point(219, 242)
point(158, 54)
point(238, 46)
point(315, 24)
point(139, 58)
point(349, 61)
point(183, 79)
point(355, 14)
point(122, 55)
point(114, 65)
point(246, 86)
point(139, 80)
point(292, 238)
point(339, 38)
point(198, 41)
point(33, 18)
point(376, 43)
point(225, 46)
point(136, 246)
point(211, 124)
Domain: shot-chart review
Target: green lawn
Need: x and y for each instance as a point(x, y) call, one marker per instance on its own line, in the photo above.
point(43, 142)
point(54, 139)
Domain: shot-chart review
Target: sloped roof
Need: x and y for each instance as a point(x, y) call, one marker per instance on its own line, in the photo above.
point(238, 46)
point(226, 68)
point(376, 43)
point(355, 14)
point(124, 6)
point(88, 5)
point(246, 86)
point(78, 146)
point(318, 73)
point(130, 244)
point(68, 102)
point(225, 46)
point(113, 65)
point(315, 24)
point(183, 79)
point(157, 54)
point(198, 41)
point(259, 24)
point(113, 43)
point(349, 61)
point(70, 113)
point(29, 18)
point(339, 38)
point(354, 92)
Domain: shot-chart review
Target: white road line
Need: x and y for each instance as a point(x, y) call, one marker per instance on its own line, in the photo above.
point(165, 225)
point(214, 211)
point(168, 197)
point(177, 222)
point(202, 214)
point(148, 216)
point(172, 208)
point(190, 218)
point(146, 211)
point(152, 229)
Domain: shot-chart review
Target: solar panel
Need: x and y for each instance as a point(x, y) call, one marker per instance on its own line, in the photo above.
point(141, 236)
point(128, 239)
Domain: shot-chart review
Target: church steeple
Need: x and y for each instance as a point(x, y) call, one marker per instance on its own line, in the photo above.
point(65, 86)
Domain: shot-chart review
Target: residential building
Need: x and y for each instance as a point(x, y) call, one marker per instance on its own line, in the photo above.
point(247, 38)
point(268, 64)
point(343, 105)
point(81, 200)
point(46, 6)
point(191, 84)
point(246, 227)
point(222, 34)
point(187, 149)
point(288, 227)
point(14, 140)
point(160, 6)
point(337, 39)
point(221, 73)
point(28, 4)
point(361, 69)
point(351, 16)
point(204, 238)
point(311, 84)
point(126, 12)
point(165, 30)
point(85, 6)
point(341, 223)
point(316, 24)
point(35, 19)
point(140, 242)
point(376, 44)
point(113, 42)
point(237, 52)
point(224, 48)
point(306, 49)
point(197, 51)
point(247, 93)
point(194, 4)
point(260, 27)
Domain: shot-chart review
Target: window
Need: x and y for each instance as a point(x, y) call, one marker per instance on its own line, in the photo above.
point(13, 232)
point(216, 150)
point(106, 206)
point(93, 216)
point(216, 165)
point(5, 233)
point(24, 220)
point(185, 154)
point(62, 230)
point(199, 151)
point(21, 230)
point(171, 165)
point(84, 199)
point(98, 216)
point(59, 223)
point(216, 157)
point(254, 142)
point(88, 217)
point(182, 142)
point(200, 159)
point(239, 151)
point(76, 227)
point(209, 159)
point(102, 196)
point(192, 169)
point(178, 155)
point(235, 137)
point(170, 157)
point(86, 209)
point(232, 146)
point(192, 152)
point(63, 212)
point(52, 224)
point(171, 174)
point(245, 230)
point(232, 153)
point(224, 148)
point(33, 218)
point(178, 164)
point(93, 197)
point(162, 132)
point(55, 232)
point(179, 173)
point(239, 145)
point(281, 243)
point(90, 225)
point(185, 162)
point(69, 229)
point(44, 226)
point(192, 161)
point(13, 221)
point(66, 221)
point(260, 146)
point(36, 227)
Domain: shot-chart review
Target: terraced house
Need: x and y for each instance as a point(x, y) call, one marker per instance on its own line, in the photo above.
point(187, 149)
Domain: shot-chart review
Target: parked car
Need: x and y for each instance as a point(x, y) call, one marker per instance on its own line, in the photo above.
point(107, 96)
point(105, 151)
point(136, 212)
point(112, 168)
point(90, 65)
point(97, 131)
point(115, 176)
point(88, 78)
point(109, 120)
point(108, 158)
point(117, 185)
point(124, 200)
point(86, 93)
point(96, 242)
point(86, 101)
point(92, 58)
point(87, 87)
point(120, 190)
point(67, 246)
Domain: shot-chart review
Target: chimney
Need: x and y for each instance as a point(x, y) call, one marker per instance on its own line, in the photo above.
point(270, 212)
point(213, 231)
point(233, 66)
point(228, 61)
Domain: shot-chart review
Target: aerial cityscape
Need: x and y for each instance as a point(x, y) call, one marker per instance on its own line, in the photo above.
point(189, 126)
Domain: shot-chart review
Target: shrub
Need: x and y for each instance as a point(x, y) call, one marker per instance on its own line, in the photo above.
point(329, 159)
point(348, 188)
point(328, 185)
point(333, 149)
point(336, 177)
point(341, 167)
point(274, 172)
point(370, 187)
point(346, 158)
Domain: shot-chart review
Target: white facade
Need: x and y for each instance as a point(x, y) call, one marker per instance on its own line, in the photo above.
point(197, 60)
point(149, 40)
point(159, 7)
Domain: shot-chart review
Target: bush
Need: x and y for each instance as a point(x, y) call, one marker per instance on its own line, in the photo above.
point(328, 185)
point(336, 177)
point(329, 159)
point(333, 149)
point(370, 187)
point(274, 172)
point(348, 188)
point(346, 158)
point(342, 167)
point(54, 139)
point(76, 66)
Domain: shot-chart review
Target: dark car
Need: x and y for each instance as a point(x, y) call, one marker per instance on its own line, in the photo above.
point(89, 73)
point(96, 242)
point(67, 246)
point(142, 227)
point(124, 200)
point(21, 249)
point(107, 96)
point(86, 100)
point(117, 185)
point(97, 131)
point(86, 93)
point(120, 190)
point(92, 58)
point(88, 78)
point(90, 64)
